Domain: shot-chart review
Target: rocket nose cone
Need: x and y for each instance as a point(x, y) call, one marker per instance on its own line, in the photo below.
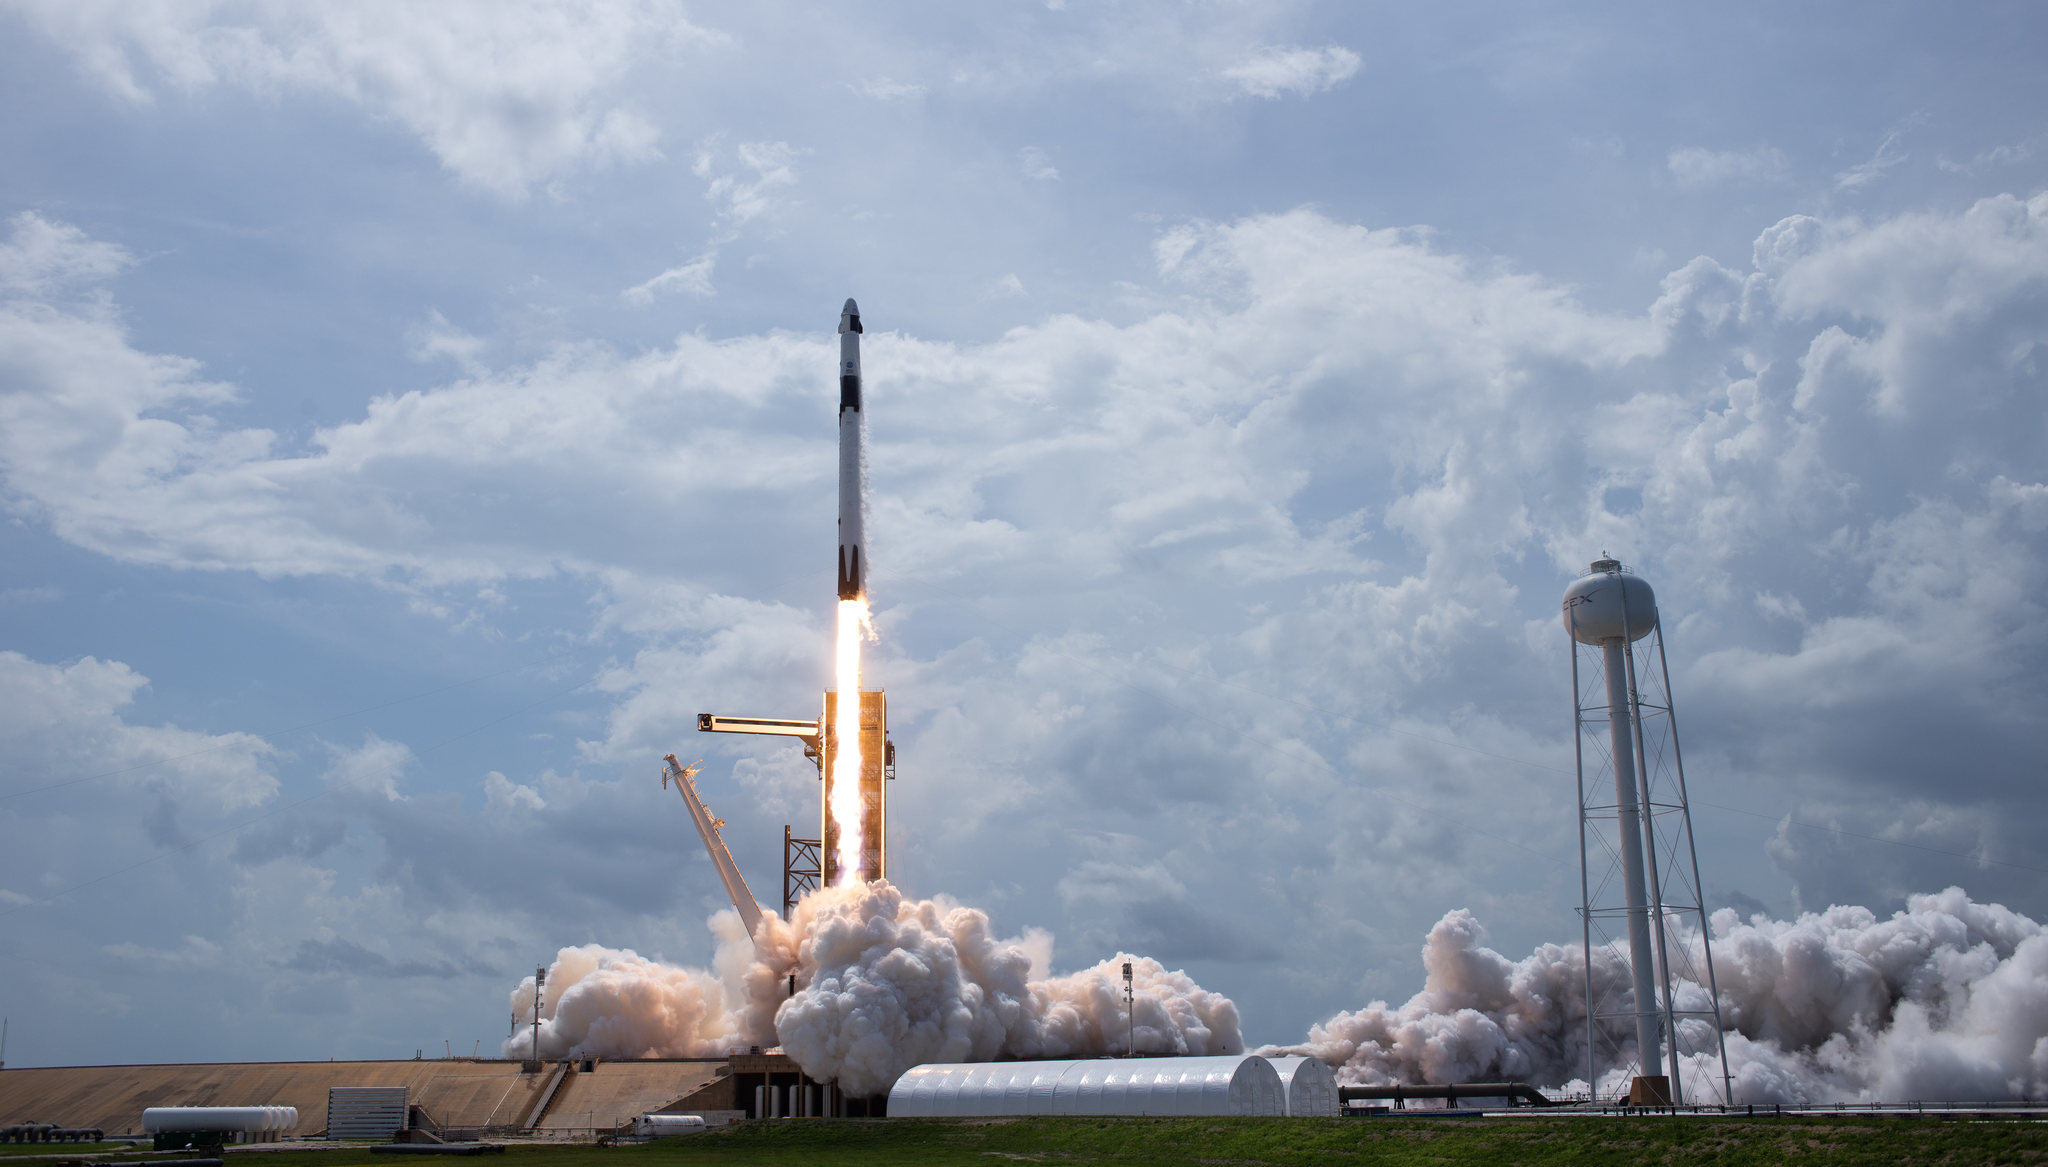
point(851, 309)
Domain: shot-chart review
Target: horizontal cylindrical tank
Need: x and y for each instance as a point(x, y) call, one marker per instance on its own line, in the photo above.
point(1594, 603)
point(1232, 1084)
point(179, 1119)
point(659, 1125)
point(48, 1132)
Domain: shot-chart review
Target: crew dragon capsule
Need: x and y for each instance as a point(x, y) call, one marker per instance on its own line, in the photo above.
point(853, 559)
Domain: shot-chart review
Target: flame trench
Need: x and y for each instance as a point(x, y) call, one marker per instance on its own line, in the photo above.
point(845, 807)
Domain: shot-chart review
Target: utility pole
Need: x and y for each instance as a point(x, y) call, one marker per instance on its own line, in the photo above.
point(1130, 1014)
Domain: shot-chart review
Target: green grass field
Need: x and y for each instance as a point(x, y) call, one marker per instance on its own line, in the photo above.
point(991, 1143)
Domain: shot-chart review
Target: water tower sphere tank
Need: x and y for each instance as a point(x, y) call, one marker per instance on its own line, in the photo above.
point(1593, 605)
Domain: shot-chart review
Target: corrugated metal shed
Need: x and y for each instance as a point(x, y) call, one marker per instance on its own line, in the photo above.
point(1236, 1084)
point(1310, 1086)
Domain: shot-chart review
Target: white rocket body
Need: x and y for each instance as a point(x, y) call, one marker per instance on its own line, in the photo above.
point(853, 559)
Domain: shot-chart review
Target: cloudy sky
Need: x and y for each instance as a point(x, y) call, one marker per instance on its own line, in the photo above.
point(411, 416)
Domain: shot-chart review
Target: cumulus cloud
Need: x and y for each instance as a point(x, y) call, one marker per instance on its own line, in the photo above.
point(505, 95)
point(435, 338)
point(1296, 72)
point(372, 768)
point(1259, 281)
point(1287, 319)
point(64, 724)
point(504, 796)
point(1361, 460)
point(41, 257)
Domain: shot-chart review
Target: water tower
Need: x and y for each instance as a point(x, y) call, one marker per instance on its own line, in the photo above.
point(1639, 875)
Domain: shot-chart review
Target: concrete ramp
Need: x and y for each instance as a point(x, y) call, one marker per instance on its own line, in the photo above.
point(616, 1092)
point(461, 1093)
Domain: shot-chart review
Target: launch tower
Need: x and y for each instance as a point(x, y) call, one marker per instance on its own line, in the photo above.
point(807, 862)
point(1639, 874)
point(878, 765)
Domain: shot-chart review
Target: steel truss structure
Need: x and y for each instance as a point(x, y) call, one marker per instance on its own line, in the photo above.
point(800, 870)
point(807, 863)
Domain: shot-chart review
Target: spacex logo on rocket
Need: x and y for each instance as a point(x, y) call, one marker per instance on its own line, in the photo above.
point(853, 575)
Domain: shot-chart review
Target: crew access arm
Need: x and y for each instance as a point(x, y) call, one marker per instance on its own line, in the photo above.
point(721, 858)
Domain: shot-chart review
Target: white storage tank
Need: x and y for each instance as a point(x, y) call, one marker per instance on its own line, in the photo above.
point(1309, 1086)
point(158, 1120)
point(1241, 1084)
point(664, 1125)
point(1609, 603)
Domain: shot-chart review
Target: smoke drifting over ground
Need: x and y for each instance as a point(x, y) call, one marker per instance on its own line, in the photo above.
point(612, 1002)
point(883, 983)
point(1947, 999)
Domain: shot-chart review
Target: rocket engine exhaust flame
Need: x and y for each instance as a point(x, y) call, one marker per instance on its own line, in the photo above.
point(845, 807)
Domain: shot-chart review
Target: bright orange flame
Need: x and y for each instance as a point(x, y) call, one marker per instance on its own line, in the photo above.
point(845, 806)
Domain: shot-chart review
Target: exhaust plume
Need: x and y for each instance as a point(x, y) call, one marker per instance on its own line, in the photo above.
point(845, 807)
point(1946, 999)
point(883, 983)
point(615, 1003)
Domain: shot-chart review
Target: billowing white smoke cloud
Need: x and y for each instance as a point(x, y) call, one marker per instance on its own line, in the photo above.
point(883, 983)
point(1478, 1018)
point(887, 982)
point(616, 1003)
point(1945, 1000)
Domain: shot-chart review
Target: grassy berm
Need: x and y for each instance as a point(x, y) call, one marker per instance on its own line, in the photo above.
point(1625, 1142)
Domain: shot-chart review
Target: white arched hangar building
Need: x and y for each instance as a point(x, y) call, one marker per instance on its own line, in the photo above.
point(1241, 1084)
